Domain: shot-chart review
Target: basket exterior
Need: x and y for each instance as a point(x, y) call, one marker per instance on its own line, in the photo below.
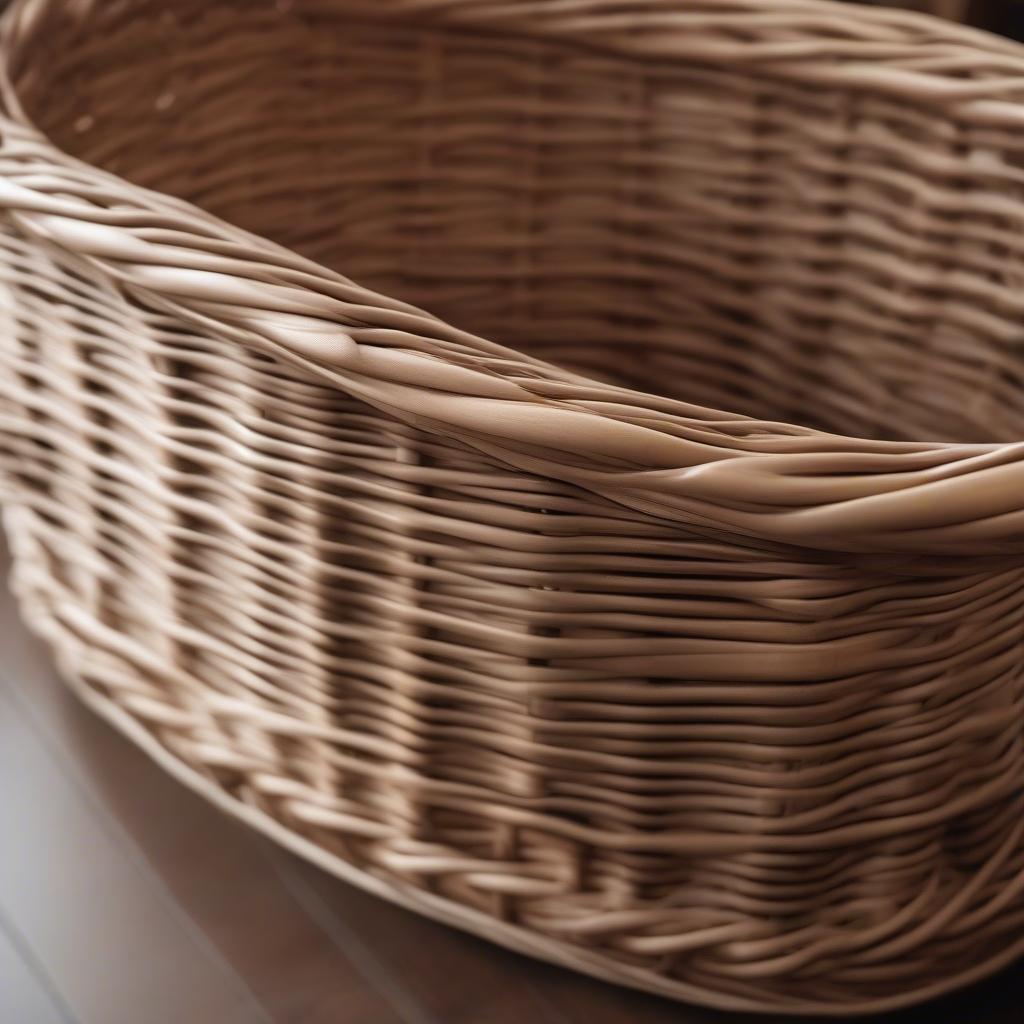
point(434, 649)
point(443, 673)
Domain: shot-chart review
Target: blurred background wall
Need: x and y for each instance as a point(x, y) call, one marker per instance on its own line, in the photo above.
point(1004, 16)
point(957, 10)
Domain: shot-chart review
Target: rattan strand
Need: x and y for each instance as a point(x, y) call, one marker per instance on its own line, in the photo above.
point(524, 633)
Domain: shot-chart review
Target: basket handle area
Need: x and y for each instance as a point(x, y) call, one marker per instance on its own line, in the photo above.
point(713, 472)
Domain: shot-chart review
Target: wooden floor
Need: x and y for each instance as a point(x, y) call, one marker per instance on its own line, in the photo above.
point(124, 899)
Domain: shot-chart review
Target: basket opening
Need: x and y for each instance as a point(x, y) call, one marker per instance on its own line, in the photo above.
point(736, 241)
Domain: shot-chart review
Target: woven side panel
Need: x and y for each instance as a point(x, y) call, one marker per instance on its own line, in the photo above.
point(696, 757)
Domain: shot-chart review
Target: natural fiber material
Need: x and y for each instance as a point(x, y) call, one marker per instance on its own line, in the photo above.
point(692, 700)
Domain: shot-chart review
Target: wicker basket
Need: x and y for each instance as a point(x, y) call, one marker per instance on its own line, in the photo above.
point(528, 637)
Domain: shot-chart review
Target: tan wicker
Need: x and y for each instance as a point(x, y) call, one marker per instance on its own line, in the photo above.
point(695, 701)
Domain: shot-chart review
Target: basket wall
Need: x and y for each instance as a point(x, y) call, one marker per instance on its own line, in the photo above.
point(752, 244)
point(732, 769)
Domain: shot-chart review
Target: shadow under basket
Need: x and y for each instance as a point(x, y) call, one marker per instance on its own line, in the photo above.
point(525, 633)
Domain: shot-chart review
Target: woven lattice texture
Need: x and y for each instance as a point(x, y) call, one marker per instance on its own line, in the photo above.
point(523, 633)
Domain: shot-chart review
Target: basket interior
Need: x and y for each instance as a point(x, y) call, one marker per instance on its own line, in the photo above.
point(842, 259)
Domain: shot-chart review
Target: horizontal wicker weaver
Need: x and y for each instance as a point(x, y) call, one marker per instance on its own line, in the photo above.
point(528, 633)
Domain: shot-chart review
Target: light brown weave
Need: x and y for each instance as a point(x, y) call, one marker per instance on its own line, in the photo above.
point(696, 701)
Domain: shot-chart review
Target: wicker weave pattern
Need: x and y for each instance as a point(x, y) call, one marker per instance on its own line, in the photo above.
point(696, 701)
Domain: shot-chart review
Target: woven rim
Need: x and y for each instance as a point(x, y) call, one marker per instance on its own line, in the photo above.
point(777, 482)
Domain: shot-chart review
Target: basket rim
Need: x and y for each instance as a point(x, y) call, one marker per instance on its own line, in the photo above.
point(732, 475)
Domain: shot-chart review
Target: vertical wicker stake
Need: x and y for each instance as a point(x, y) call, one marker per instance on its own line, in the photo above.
point(412, 817)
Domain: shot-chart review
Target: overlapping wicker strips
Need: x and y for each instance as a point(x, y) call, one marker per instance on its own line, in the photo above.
point(528, 633)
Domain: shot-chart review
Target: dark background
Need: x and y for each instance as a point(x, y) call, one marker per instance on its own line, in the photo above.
point(1006, 16)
